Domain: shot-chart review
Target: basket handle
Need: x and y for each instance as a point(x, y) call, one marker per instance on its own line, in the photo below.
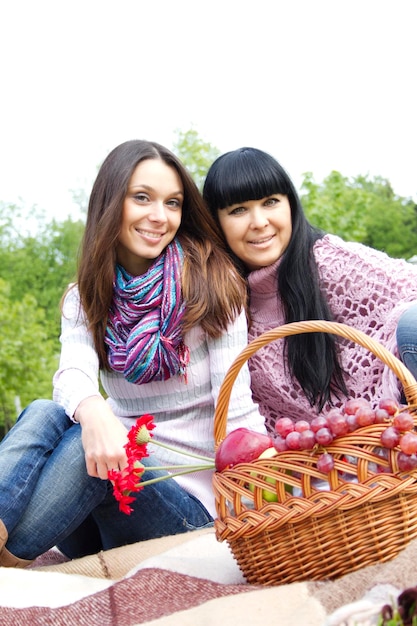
point(406, 378)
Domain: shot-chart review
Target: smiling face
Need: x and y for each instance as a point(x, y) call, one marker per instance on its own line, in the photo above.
point(151, 215)
point(258, 231)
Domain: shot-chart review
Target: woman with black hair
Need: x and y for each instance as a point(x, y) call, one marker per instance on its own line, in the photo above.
point(295, 272)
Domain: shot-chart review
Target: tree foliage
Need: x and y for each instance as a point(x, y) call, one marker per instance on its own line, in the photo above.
point(196, 154)
point(40, 262)
point(28, 356)
point(37, 261)
point(364, 210)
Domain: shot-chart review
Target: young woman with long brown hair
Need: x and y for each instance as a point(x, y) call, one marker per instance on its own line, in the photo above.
point(154, 320)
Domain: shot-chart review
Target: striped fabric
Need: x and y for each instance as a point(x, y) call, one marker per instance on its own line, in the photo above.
point(144, 329)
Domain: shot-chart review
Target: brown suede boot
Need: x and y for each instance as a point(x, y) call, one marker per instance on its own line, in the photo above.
point(3, 535)
point(7, 559)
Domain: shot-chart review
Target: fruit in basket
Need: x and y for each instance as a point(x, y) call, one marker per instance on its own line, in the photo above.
point(357, 412)
point(268, 495)
point(280, 443)
point(381, 416)
point(406, 462)
point(352, 405)
point(365, 416)
point(240, 446)
point(315, 436)
point(400, 434)
point(389, 405)
point(325, 463)
point(352, 422)
point(337, 423)
point(293, 440)
point(301, 425)
point(318, 422)
point(390, 437)
point(324, 436)
point(403, 421)
point(307, 440)
point(408, 443)
point(284, 426)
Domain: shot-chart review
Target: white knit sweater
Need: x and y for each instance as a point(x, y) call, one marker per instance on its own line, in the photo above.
point(183, 411)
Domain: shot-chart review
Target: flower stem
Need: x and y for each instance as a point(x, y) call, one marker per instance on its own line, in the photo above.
point(170, 467)
point(151, 481)
point(195, 456)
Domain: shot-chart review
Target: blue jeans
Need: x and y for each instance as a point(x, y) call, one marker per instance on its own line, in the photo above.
point(407, 339)
point(46, 493)
point(160, 509)
point(44, 486)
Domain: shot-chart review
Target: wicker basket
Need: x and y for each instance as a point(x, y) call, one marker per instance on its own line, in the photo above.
point(319, 533)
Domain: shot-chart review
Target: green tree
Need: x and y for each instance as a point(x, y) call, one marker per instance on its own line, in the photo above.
point(364, 210)
point(37, 261)
point(391, 220)
point(334, 206)
point(28, 357)
point(41, 262)
point(196, 154)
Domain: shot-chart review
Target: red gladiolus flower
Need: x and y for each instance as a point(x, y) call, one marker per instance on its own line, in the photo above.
point(124, 501)
point(125, 482)
point(139, 435)
point(128, 480)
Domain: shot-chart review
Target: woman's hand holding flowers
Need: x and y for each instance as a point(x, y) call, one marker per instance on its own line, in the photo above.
point(103, 436)
point(128, 479)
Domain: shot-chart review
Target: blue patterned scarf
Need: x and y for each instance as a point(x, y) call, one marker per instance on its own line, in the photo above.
point(143, 332)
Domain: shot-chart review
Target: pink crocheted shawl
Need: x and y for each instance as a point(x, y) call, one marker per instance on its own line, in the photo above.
point(366, 289)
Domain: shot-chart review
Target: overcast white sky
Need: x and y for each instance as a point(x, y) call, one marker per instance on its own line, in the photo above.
point(321, 84)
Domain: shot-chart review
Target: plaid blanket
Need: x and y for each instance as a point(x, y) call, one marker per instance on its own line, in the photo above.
point(187, 580)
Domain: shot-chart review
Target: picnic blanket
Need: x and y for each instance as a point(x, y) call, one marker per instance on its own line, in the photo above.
point(190, 580)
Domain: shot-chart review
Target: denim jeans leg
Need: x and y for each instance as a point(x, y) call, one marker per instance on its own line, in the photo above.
point(84, 540)
point(62, 498)
point(160, 509)
point(407, 338)
point(23, 453)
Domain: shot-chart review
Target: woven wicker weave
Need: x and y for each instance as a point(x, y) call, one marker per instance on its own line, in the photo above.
point(365, 513)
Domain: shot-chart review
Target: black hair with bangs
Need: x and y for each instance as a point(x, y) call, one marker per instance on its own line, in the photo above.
point(246, 174)
point(251, 174)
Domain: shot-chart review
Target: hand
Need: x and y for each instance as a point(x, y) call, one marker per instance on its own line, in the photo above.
point(103, 437)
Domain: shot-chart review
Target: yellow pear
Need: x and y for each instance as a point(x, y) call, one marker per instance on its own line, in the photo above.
point(267, 495)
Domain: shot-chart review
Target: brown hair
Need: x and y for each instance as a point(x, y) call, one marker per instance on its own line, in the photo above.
point(213, 291)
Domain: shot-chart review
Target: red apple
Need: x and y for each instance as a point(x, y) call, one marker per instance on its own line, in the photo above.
point(240, 446)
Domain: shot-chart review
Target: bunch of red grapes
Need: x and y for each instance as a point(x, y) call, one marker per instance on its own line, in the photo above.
point(356, 413)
